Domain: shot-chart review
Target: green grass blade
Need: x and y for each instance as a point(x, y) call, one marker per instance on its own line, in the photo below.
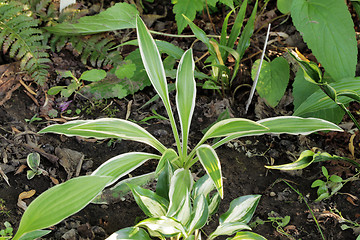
point(185, 95)
point(122, 164)
point(59, 202)
point(236, 29)
point(211, 163)
point(106, 128)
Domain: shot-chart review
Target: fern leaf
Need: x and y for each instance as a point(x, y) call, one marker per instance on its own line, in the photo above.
point(21, 38)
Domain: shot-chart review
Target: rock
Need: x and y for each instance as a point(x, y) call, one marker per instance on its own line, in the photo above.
point(99, 231)
point(87, 165)
point(70, 235)
point(85, 231)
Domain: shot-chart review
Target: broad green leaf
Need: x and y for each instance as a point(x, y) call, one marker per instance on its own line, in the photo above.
point(328, 30)
point(185, 95)
point(304, 160)
point(122, 164)
point(121, 189)
point(211, 163)
point(164, 180)
point(229, 3)
point(232, 126)
point(319, 100)
point(106, 128)
point(34, 234)
point(203, 186)
point(228, 228)
point(59, 202)
point(284, 6)
point(241, 209)
point(130, 233)
point(166, 226)
point(150, 203)
point(152, 61)
point(120, 16)
point(286, 124)
point(187, 8)
point(93, 75)
point(199, 215)
point(169, 155)
point(125, 70)
point(273, 79)
point(33, 161)
point(245, 235)
point(179, 195)
point(317, 183)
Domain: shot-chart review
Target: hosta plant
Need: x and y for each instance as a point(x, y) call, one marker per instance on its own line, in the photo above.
point(49, 209)
point(185, 209)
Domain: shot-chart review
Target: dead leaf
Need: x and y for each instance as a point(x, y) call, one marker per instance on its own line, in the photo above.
point(24, 195)
point(54, 180)
point(4, 176)
point(351, 145)
point(20, 169)
point(70, 160)
point(28, 194)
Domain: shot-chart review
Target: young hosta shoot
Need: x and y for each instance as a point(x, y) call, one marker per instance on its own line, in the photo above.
point(180, 210)
point(188, 210)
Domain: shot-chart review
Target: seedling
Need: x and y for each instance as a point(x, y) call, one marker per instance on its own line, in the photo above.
point(276, 221)
point(33, 161)
point(33, 119)
point(7, 232)
point(76, 84)
point(3, 209)
point(329, 187)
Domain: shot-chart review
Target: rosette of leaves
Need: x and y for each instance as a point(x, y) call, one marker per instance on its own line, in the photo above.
point(48, 209)
point(21, 38)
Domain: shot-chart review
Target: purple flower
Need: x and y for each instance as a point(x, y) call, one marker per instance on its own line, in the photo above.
point(64, 105)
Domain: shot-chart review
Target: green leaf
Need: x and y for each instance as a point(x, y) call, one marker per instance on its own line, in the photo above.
point(120, 16)
point(187, 8)
point(317, 183)
point(106, 128)
point(214, 203)
point(33, 161)
point(59, 202)
point(169, 155)
point(93, 75)
point(121, 189)
point(335, 179)
point(166, 226)
point(126, 70)
point(211, 163)
point(164, 180)
point(325, 172)
point(122, 164)
point(328, 30)
point(199, 215)
point(179, 195)
point(55, 90)
point(284, 6)
point(304, 160)
point(130, 233)
point(273, 79)
point(319, 100)
point(228, 228)
point(185, 95)
point(236, 28)
point(150, 203)
point(232, 126)
point(229, 3)
point(30, 174)
point(203, 186)
point(34, 234)
point(247, 236)
point(241, 209)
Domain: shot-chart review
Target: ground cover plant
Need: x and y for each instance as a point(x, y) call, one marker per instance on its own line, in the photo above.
point(46, 211)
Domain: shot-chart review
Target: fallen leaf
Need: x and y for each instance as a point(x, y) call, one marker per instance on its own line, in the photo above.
point(20, 169)
point(54, 180)
point(351, 145)
point(4, 176)
point(28, 194)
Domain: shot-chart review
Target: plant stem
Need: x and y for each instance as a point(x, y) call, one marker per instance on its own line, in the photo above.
point(312, 213)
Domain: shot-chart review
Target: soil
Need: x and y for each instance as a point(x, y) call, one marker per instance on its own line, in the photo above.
point(242, 160)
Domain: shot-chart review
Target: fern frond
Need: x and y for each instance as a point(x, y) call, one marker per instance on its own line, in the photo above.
point(94, 49)
point(22, 39)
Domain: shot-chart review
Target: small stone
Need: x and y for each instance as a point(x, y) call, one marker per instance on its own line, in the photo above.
point(104, 206)
point(70, 235)
point(272, 194)
point(87, 165)
point(99, 231)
